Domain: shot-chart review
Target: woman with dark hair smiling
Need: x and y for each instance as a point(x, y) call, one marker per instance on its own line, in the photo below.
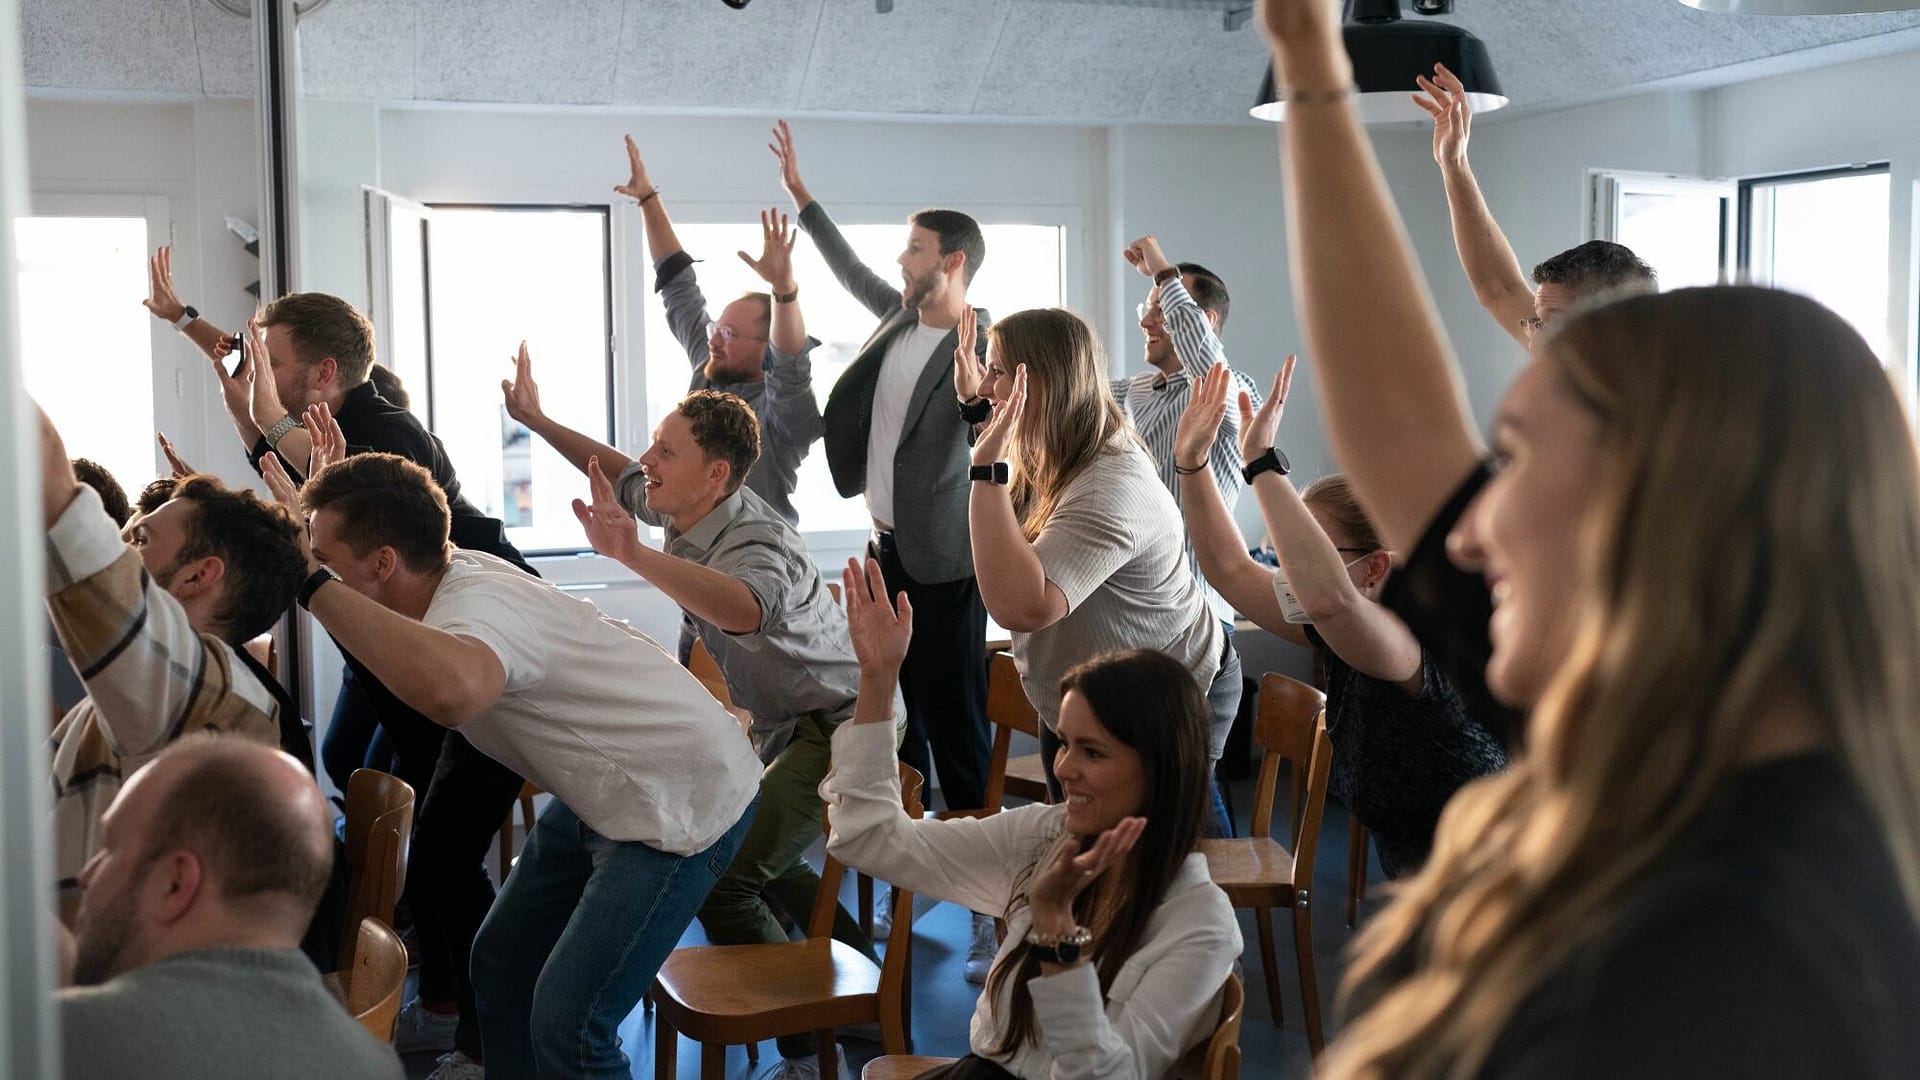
point(1117, 940)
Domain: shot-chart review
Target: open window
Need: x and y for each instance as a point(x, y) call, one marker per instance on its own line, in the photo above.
point(1825, 235)
point(1681, 226)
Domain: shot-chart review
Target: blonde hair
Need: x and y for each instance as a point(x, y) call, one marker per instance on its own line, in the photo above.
point(1335, 497)
point(1754, 536)
point(1070, 417)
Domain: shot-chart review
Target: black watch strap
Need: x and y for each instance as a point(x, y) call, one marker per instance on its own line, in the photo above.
point(977, 411)
point(1067, 952)
point(1271, 461)
point(996, 473)
point(312, 585)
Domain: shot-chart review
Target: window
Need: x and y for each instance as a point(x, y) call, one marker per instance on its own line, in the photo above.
point(494, 277)
point(1023, 269)
point(1678, 225)
point(1825, 235)
point(81, 280)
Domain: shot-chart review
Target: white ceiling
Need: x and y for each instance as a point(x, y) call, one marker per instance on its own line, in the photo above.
point(1047, 60)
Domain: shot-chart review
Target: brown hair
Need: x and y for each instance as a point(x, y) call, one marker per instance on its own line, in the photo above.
point(384, 500)
point(1333, 496)
point(724, 427)
point(259, 543)
point(320, 325)
point(1070, 417)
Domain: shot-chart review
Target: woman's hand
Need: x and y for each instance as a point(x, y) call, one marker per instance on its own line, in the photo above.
point(1051, 893)
point(880, 634)
point(1258, 430)
point(992, 444)
point(1200, 424)
point(968, 372)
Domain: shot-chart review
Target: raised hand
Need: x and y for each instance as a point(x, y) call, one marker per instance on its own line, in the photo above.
point(1052, 890)
point(992, 444)
point(638, 185)
point(775, 264)
point(180, 469)
point(161, 299)
point(1145, 256)
point(611, 530)
point(1446, 101)
point(522, 394)
point(1200, 424)
point(1258, 429)
point(329, 442)
point(266, 395)
point(287, 494)
point(782, 147)
point(880, 633)
point(968, 372)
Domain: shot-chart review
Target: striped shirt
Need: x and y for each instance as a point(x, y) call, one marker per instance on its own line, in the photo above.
point(1155, 402)
point(151, 678)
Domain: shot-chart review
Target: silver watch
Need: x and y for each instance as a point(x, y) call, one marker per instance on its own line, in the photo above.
point(279, 431)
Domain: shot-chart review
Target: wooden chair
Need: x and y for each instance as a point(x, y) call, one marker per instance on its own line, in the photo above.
point(1260, 873)
point(1218, 1058)
point(527, 792)
point(1356, 867)
point(377, 978)
point(720, 995)
point(1008, 710)
point(379, 828)
point(703, 667)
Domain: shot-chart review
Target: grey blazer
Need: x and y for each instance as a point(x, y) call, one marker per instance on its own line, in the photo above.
point(930, 487)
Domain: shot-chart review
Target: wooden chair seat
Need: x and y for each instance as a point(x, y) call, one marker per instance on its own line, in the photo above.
point(1252, 871)
point(379, 977)
point(808, 985)
point(1026, 778)
point(902, 1066)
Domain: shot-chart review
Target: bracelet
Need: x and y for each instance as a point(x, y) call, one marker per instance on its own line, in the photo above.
point(279, 431)
point(654, 194)
point(1166, 275)
point(1184, 471)
point(787, 297)
point(1317, 97)
point(977, 411)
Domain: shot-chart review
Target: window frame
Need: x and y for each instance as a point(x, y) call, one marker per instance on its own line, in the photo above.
point(1607, 187)
point(1743, 264)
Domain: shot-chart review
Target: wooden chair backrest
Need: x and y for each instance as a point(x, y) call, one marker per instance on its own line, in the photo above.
point(1219, 1057)
point(894, 965)
point(701, 663)
point(377, 978)
point(379, 829)
point(1009, 711)
point(1289, 724)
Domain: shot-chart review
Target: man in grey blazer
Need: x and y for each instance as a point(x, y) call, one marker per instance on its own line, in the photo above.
point(895, 435)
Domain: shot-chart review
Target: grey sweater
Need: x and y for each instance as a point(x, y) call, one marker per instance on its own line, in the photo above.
point(215, 1014)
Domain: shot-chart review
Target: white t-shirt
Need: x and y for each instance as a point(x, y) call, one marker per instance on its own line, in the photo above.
point(596, 713)
point(1115, 546)
point(907, 357)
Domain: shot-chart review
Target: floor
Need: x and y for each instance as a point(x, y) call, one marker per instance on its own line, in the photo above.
point(943, 1001)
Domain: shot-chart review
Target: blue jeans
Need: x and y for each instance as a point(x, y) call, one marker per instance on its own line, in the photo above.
point(576, 937)
point(1223, 702)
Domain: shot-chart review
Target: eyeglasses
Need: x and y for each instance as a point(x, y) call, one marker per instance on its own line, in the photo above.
point(1143, 310)
point(1356, 551)
point(728, 333)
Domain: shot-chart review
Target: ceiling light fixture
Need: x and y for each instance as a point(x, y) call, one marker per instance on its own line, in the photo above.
point(1800, 7)
point(1387, 52)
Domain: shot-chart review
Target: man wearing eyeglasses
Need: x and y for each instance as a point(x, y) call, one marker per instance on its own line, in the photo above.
point(757, 349)
point(1181, 319)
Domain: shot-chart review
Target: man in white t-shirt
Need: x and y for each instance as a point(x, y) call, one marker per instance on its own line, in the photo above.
point(653, 782)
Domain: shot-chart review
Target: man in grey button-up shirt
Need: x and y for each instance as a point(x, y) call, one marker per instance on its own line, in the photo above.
point(758, 349)
point(761, 608)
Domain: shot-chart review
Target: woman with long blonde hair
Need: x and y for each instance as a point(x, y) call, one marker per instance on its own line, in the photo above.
point(1693, 561)
point(1077, 544)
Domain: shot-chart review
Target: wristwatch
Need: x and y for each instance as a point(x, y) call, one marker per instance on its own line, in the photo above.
point(1271, 461)
point(279, 431)
point(312, 585)
point(977, 411)
point(1064, 950)
point(188, 313)
point(996, 473)
point(787, 297)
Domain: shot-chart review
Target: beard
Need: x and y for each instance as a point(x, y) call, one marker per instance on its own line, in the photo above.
point(101, 937)
point(919, 290)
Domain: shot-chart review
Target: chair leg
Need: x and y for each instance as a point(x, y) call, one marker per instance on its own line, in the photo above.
point(1263, 922)
point(666, 1048)
point(753, 1053)
point(713, 1061)
point(506, 846)
point(863, 889)
point(828, 1053)
point(1309, 981)
point(1356, 868)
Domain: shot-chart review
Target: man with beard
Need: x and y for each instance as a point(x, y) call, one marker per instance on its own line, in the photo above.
point(187, 960)
point(895, 435)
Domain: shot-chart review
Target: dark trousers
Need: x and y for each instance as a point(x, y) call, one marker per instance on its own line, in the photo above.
point(354, 738)
point(460, 798)
point(944, 680)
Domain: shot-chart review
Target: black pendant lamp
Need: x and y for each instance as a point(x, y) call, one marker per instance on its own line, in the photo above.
point(1800, 7)
point(1387, 52)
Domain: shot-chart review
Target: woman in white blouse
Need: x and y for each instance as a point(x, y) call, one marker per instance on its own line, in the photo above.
point(1117, 940)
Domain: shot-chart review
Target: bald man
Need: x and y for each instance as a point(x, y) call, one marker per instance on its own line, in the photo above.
point(187, 959)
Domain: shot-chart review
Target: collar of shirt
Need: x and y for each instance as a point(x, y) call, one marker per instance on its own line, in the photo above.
point(356, 401)
point(700, 539)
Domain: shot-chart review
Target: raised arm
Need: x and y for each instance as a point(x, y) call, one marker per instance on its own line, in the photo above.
point(1491, 266)
point(1012, 578)
point(656, 225)
point(674, 279)
point(236, 390)
point(1192, 333)
point(1396, 412)
point(788, 333)
point(856, 277)
point(522, 396)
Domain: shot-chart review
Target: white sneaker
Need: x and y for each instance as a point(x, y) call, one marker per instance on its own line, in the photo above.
point(419, 1029)
point(980, 953)
point(806, 1068)
point(882, 911)
point(458, 1066)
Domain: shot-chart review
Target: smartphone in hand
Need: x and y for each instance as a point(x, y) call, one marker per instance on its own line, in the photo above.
point(237, 356)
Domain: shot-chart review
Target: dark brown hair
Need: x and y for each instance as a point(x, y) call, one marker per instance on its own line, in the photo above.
point(320, 325)
point(384, 500)
point(258, 541)
point(957, 232)
point(724, 427)
point(112, 495)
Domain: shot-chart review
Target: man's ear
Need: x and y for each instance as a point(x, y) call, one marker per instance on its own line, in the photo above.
point(954, 262)
point(1213, 320)
point(386, 562)
point(175, 883)
point(327, 372)
point(201, 575)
